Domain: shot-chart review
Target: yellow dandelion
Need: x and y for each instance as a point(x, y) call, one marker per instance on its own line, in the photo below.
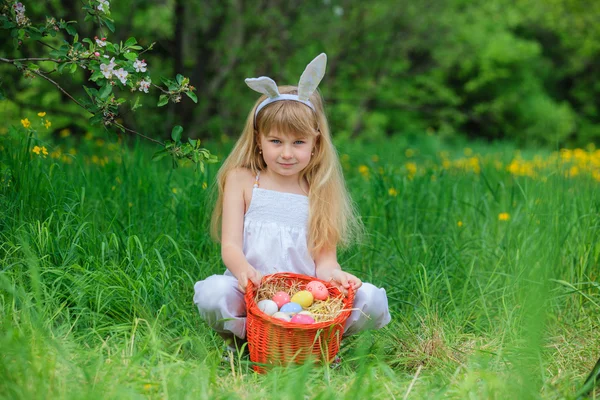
point(26, 123)
point(36, 149)
point(41, 114)
point(409, 153)
point(504, 216)
point(73, 151)
point(364, 171)
point(174, 190)
point(411, 167)
point(393, 192)
point(130, 204)
point(574, 171)
point(99, 142)
point(44, 151)
point(113, 188)
point(204, 185)
point(459, 224)
point(47, 124)
point(65, 133)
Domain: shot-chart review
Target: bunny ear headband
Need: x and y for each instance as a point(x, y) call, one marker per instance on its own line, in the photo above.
point(309, 80)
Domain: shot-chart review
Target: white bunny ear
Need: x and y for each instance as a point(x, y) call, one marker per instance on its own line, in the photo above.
point(311, 77)
point(264, 85)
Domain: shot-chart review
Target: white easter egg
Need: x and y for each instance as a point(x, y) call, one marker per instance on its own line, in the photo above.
point(267, 306)
point(282, 316)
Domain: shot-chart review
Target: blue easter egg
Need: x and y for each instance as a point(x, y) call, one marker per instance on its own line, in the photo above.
point(291, 308)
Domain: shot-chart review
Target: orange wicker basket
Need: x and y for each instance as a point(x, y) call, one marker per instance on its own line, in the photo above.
point(275, 342)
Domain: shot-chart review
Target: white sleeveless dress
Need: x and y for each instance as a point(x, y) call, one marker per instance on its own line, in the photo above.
point(274, 240)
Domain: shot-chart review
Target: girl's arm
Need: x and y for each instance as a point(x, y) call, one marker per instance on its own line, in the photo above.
point(328, 269)
point(233, 228)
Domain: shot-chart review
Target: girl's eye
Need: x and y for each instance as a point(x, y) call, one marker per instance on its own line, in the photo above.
point(275, 141)
point(299, 142)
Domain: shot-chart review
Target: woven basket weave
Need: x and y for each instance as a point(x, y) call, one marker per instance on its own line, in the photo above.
point(275, 342)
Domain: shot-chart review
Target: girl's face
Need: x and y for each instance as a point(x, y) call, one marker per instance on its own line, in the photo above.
point(286, 154)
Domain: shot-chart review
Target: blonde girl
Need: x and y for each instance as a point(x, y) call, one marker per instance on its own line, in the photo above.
point(283, 207)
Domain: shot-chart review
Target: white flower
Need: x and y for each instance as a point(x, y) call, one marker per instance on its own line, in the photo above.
point(144, 85)
point(122, 75)
point(101, 43)
point(19, 7)
point(338, 11)
point(140, 66)
point(106, 70)
point(102, 4)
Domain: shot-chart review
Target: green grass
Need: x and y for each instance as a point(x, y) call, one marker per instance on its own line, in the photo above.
point(98, 262)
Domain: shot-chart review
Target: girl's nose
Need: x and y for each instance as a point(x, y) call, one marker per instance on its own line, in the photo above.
point(286, 152)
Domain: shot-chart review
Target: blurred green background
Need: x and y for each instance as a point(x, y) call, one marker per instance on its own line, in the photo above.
point(522, 70)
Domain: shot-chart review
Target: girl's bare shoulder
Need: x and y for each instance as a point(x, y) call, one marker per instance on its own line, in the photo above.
point(241, 176)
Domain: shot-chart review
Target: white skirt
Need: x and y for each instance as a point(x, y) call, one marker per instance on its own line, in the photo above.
point(221, 305)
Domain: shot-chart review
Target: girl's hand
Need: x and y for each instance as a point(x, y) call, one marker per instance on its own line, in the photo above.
point(252, 275)
point(344, 280)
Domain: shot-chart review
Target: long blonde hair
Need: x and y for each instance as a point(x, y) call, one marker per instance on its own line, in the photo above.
point(332, 217)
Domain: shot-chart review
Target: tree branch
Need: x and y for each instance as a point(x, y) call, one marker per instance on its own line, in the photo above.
point(59, 88)
point(137, 133)
point(12, 61)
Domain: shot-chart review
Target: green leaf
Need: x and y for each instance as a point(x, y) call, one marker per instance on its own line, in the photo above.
point(70, 29)
point(135, 47)
point(193, 141)
point(92, 92)
point(111, 48)
point(96, 75)
point(33, 67)
point(131, 55)
point(176, 133)
point(137, 104)
point(160, 154)
point(96, 118)
point(105, 91)
point(61, 67)
point(192, 96)
point(130, 42)
point(162, 100)
point(110, 25)
point(73, 67)
point(179, 78)
point(171, 84)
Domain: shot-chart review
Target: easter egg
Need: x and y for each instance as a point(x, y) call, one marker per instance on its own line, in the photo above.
point(282, 316)
point(302, 319)
point(281, 298)
point(304, 298)
point(291, 308)
point(318, 290)
point(267, 306)
point(305, 313)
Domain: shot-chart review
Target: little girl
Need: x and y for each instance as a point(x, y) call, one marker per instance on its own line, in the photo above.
point(283, 207)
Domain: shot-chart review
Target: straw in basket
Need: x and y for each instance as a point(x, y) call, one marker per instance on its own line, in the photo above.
point(272, 341)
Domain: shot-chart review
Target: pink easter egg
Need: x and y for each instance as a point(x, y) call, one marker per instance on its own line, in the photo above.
point(302, 319)
point(281, 298)
point(318, 290)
